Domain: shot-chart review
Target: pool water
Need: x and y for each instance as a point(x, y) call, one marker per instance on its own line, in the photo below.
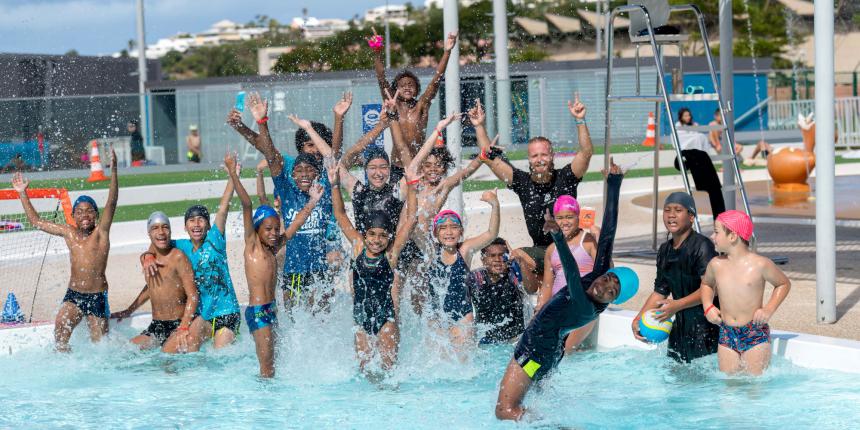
point(112, 385)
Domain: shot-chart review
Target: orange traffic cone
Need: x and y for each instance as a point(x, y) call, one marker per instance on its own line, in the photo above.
point(97, 173)
point(651, 132)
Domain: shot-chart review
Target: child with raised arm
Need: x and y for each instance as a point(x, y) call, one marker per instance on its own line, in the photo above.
point(263, 239)
point(412, 113)
point(375, 288)
point(583, 246)
point(541, 347)
point(172, 293)
point(305, 261)
point(739, 277)
point(89, 243)
point(218, 312)
point(452, 257)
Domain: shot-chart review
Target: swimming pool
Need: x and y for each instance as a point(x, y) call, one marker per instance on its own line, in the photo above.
point(318, 386)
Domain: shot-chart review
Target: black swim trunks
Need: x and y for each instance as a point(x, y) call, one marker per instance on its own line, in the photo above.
point(296, 283)
point(95, 304)
point(160, 330)
point(229, 321)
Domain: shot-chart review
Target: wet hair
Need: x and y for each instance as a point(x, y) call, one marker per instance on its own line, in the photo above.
point(302, 136)
point(375, 153)
point(444, 156)
point(195, 211)
point(308, 159)
point(727, 231)
point(540, 139)
point(496, 241)
point(406, 74)
point(681, 115)
point(379, 219)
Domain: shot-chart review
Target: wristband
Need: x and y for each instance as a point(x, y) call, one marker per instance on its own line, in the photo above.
point(483, 155)
point(337, 185)
point(578, 121)
point(180, 328)
point(413, 182)
point(263, 120)
point(709, 309)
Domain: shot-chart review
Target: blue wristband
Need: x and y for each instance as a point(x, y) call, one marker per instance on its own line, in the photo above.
point(579, 121)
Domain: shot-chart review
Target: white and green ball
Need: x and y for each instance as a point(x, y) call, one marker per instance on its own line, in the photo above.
point(653, 330)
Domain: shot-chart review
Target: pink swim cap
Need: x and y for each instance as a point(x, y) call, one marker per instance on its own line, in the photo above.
point(446, 215)
point(565, 203)
point(738, 222)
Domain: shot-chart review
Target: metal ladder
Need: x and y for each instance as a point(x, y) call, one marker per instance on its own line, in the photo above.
point(663, 96)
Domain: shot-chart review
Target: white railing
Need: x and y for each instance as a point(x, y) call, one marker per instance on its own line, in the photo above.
point(782, 115)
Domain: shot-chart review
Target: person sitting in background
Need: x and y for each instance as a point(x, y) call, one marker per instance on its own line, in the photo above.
point(694, 149)
point(192, 141)
point(715, 137)
point(497, 295)
point(16, 164)
point(138, 152)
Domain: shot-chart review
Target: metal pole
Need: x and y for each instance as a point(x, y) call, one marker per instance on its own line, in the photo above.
point(452, 98)
point(727, 88)
point(141, 73)
point(387, 39)
point(503, 75)
point(825, 170)
point(597, 29)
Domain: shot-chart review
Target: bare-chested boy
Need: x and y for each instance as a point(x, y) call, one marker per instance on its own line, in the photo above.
point(263, 239)
point(172, 292)
point(89, 243)
point(412, 113)
point(739, 277)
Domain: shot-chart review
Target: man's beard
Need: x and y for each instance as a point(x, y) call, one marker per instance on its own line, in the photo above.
point(542, 177)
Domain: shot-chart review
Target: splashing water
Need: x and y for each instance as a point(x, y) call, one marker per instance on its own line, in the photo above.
point(755, 70)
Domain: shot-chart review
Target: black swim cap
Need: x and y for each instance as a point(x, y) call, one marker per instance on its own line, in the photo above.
point(379, 219)
point(197, 210)
point(374, 153)
point(310, 160)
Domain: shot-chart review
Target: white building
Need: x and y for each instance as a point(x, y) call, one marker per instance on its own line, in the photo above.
point(397, 15)
point(313, 28)
point(224, 31)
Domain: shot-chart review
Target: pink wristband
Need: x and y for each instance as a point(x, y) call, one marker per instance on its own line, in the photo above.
point(709, 308)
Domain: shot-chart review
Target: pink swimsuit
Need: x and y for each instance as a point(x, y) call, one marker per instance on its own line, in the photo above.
point(583, 260)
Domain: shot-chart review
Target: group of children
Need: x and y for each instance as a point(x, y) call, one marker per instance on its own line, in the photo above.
point(400, 240)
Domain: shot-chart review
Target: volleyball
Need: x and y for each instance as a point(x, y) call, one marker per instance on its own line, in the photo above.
point(652, 329)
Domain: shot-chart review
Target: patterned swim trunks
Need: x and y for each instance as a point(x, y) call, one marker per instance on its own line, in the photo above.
point(743, 338)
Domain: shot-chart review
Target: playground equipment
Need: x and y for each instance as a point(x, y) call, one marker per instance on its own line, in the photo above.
point(790, 167)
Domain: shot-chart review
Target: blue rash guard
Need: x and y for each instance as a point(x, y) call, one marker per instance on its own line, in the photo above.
point(289, 163)
point(541, 346)
point(211, 274)
point(306, 251)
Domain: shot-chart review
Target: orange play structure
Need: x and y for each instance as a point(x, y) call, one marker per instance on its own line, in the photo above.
point(790, 167)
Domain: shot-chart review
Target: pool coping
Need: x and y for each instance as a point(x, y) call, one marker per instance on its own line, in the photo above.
point(613, 331)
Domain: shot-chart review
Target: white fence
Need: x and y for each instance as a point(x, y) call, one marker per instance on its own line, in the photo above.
point(782, 115)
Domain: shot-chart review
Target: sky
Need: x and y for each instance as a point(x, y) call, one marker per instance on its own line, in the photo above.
point(102, 27)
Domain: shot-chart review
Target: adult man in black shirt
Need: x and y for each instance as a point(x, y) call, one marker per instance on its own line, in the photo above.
point(541, 185)
point(496, 295)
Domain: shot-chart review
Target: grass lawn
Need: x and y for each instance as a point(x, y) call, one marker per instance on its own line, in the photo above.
point(135, 180)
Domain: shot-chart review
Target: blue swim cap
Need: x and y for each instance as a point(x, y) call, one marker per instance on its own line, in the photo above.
point(262, 213)
point(629, 284)
point(85, 199)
